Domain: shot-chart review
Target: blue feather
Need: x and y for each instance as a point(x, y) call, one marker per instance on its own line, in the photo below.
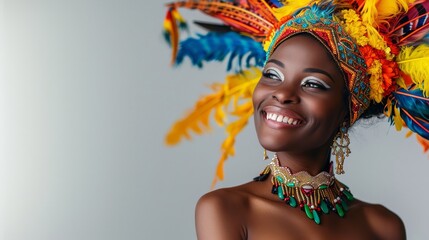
point(236, 49)
point(276, 3)
point(413, 101)
point(414, 110)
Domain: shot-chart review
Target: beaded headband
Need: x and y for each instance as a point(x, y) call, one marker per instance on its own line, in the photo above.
point(380, 46)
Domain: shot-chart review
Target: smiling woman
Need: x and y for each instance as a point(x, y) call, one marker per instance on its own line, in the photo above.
point(306, 96)
point(327, 65)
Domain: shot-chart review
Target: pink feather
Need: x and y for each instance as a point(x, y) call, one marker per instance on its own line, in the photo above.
point(411, 26)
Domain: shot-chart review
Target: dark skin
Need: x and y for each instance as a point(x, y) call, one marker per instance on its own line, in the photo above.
point(302, 83)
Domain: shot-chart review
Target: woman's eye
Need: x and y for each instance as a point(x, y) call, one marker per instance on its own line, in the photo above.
point(313, 83)
point(273, 74)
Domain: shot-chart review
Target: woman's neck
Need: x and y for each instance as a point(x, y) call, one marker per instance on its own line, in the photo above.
point(313, 163)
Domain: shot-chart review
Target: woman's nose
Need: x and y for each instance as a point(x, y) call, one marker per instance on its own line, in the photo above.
point(286, 94)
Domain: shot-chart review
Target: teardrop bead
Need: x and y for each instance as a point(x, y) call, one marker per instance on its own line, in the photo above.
point(324, 207)
point(349, 195)
point(308, 211)
point(292, 202)
point(339, 210)
point(280, 192)
point(316, 217)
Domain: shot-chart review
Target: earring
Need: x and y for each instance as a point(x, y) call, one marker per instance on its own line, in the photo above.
point(265, 155)
point(340, 148)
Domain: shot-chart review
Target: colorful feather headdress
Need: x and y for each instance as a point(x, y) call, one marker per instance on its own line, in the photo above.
point(389, 37)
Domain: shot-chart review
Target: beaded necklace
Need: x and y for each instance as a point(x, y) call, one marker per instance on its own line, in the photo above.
point(313, 194)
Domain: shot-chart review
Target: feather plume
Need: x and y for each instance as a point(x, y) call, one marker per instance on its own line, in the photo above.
point(412, 26)
point(244, 112)
point(173, 23)
point(242, 108)
point(238, 89)
point(375, 12)
point(387, 9)
point(414, 110)
point(413, 61)
point(237, 86)
point(414, 102)
point(220, 46)
point(262, 9)
point(290, 7)
point(417, 125)
point(275, 3)
point(241, 18)
point(196, 120)
point(424, 143)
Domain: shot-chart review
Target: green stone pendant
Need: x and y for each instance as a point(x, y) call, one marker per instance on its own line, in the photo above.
point(292, 202)
point(308, 211)
point(316, 217)
point(339, 210)
point(324, 207)
point(349, 195)
point(280, 193)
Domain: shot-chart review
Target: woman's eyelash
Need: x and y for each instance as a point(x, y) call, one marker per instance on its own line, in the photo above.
point(314, 83)
point(273, 73)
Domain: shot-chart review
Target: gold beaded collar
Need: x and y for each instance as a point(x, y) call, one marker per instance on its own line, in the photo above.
point(313, 194)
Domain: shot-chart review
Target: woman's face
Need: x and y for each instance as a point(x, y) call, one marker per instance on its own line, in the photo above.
point(299, 103)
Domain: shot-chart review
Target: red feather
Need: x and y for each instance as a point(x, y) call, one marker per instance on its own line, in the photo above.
point(173, 32)
point(244, 20)
point(411, 26)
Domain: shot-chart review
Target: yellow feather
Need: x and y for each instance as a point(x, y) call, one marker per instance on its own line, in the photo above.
point(220, 116)
point(241, 87)
point(227, 148)
point(237, 87)
point(290, 7)
point(375, 12)
point(390, 8)
point(195, 119)
point(369, 12)
point(414, 61)
point(397, 119)
point(409, 133)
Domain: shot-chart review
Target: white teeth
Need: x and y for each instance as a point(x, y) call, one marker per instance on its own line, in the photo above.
point(280, 118)
point(285, 119)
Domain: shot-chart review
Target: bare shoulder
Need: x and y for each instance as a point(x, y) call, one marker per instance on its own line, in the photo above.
point(385, 223)
point(220, 214)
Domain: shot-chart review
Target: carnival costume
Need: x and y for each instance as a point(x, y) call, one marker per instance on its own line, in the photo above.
point(379, 45)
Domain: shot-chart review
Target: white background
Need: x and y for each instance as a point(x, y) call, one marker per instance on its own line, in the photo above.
point(86, 96)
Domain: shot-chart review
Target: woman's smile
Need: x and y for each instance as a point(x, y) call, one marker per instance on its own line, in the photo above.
point(276, 117)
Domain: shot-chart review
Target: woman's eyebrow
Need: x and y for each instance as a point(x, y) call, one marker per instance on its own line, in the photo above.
point(317, 70)
point(276, 62)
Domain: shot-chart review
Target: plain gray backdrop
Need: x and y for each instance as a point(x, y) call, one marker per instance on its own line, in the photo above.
point(86, 96)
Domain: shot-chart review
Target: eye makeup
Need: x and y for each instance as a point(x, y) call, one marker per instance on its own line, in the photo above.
point(273, 73)
point(315, 81)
